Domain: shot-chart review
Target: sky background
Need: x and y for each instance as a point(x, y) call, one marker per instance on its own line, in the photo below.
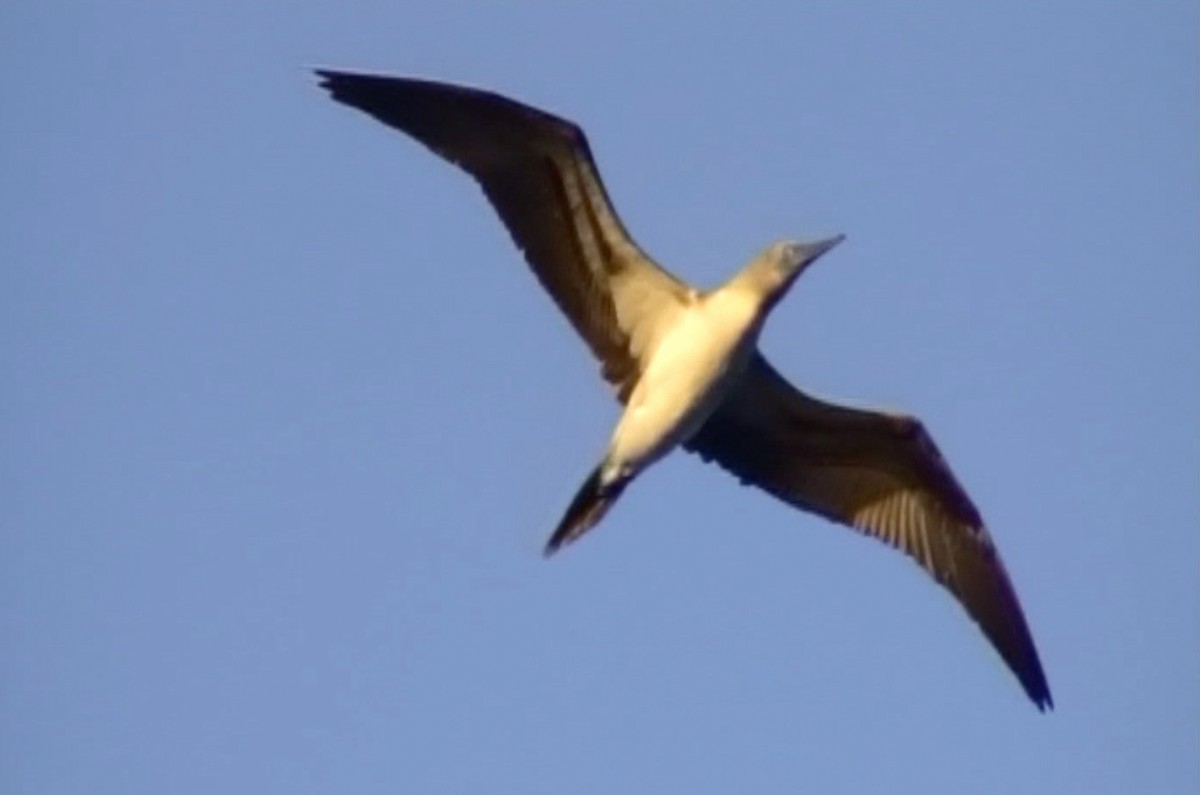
point(285, 421)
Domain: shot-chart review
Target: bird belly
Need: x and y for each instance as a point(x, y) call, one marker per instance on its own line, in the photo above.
point(689, 374)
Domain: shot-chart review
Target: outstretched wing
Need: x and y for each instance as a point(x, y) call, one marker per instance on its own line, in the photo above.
point(882, 475)
point(537, 170)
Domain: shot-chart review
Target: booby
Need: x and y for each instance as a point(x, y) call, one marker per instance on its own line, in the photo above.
point(685, 363)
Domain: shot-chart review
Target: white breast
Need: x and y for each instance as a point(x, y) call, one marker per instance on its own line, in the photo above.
point(692, 368)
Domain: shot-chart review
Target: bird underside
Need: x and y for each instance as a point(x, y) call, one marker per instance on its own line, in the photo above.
point(880, 474)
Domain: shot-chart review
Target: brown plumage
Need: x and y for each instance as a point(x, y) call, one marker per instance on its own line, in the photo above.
point(537, 171)
point(586, 509)
point(882, 475)
point(878, 473)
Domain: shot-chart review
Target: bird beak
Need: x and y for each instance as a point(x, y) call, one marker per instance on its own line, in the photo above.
point(805, 254)
point(812, 251)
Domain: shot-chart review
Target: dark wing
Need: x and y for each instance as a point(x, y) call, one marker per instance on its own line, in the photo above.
point(882, 475)
point(538, 173)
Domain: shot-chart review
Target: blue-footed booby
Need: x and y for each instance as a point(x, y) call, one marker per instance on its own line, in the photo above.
point(685, 363)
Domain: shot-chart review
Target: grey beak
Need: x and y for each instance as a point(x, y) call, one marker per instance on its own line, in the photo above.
point(812, 251)
point(804, 254)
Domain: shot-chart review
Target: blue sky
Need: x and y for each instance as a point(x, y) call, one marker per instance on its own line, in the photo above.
point(286, 421)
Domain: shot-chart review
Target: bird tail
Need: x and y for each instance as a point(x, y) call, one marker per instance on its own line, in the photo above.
point(591, 502)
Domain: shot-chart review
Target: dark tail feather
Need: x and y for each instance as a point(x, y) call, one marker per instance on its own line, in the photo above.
point(591, 502)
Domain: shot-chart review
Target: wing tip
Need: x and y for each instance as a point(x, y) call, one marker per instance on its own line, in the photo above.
point(337, 83)
point(1037, 688)
point(326, 76)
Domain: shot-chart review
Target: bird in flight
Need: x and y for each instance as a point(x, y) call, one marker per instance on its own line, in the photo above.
point(685, 363)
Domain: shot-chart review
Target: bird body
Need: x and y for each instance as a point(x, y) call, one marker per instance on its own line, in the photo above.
point(686, 365)
point(691, 369)
point(701, 354)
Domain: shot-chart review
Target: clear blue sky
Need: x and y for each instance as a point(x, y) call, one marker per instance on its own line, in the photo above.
point(285, 420)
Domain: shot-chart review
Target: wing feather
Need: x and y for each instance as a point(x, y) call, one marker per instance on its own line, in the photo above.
point(538, 173)
point(882, 475)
